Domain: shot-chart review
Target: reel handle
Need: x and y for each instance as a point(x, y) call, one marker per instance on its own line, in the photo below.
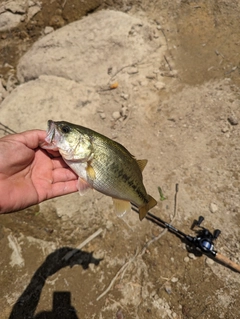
point(200, 220)
point(216, 233)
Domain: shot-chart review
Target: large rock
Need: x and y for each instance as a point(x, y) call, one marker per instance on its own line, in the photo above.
point(90, 50)
point(32, 104)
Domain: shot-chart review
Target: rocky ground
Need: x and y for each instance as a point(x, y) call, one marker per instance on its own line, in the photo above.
point(175, 72)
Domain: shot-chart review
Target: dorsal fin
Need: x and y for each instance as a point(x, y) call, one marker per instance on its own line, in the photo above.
point(142, 164)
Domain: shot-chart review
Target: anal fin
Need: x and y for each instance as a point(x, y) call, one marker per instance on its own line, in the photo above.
point(121, 206)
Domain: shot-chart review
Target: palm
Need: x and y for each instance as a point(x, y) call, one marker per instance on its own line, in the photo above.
point(30, 175)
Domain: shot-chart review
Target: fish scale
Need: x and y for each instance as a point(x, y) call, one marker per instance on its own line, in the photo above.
point(125, 181)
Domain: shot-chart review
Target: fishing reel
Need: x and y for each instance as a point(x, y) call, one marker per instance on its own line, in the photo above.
point(204, 240)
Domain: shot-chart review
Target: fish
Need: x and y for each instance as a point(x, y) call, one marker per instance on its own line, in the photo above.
point(101, 164)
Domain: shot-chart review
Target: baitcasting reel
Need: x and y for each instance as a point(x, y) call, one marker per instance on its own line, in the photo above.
point(204, 239)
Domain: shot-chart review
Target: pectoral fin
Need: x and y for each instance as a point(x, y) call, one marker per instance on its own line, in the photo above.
point(82, 186)
point(90, 172)
point(121, 206)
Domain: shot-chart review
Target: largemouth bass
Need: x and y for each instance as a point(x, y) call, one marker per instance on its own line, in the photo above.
point(101, 164)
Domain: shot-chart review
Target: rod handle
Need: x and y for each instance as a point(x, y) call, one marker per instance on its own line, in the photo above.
point(227, 262)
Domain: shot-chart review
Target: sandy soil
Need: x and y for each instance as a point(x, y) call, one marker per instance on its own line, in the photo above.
point(189, 134)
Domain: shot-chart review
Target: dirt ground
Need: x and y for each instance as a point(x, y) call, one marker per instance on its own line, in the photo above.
point(196, 134)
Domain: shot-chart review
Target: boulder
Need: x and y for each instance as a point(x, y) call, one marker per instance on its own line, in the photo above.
point(90, 50)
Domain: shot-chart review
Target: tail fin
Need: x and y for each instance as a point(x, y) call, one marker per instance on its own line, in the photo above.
point(144, 209)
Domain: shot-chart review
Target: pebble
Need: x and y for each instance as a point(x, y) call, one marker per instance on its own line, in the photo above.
point(48, 30)
point(57, 21)
point(168, 289)
point(213, 208)
point(113, 85)
point(103, 116)
point(144, 83)
point(173, 72)
point(124, 96)
point(132, 70)
point(109, 225)
point(159, 85)
point(124, 111)
point(32, 11)
point(186, 259)
point(209, 261)
point(114, 136)
point(7, 65)
point(119, 314)
point(31, 3)
point(174, 279)
point(192, 256)
point(232, 119)
point(23, 18)
point(227, 135)
point(225, 129)
point(116, 115)
point(151, 76)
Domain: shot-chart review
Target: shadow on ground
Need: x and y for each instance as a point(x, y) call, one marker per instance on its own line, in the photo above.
point(27, 303)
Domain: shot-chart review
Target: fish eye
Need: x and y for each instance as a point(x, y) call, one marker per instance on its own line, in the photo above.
point(65, 129)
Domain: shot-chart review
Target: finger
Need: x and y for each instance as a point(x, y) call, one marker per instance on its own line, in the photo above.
point(63, 175)
point(34, 137)
point(31, 138)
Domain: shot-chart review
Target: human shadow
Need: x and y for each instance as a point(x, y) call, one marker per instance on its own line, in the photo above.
point(26, 305)
point(61, 308)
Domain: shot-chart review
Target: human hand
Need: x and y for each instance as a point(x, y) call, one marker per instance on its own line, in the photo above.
point(29, 174)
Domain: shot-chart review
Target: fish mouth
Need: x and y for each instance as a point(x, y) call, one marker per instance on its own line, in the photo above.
point(50, 132)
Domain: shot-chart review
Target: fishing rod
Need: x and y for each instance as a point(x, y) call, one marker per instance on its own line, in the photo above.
point(6, 129)
point(202, 242)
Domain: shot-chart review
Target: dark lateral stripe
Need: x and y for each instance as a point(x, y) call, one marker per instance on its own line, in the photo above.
point(128, 180)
